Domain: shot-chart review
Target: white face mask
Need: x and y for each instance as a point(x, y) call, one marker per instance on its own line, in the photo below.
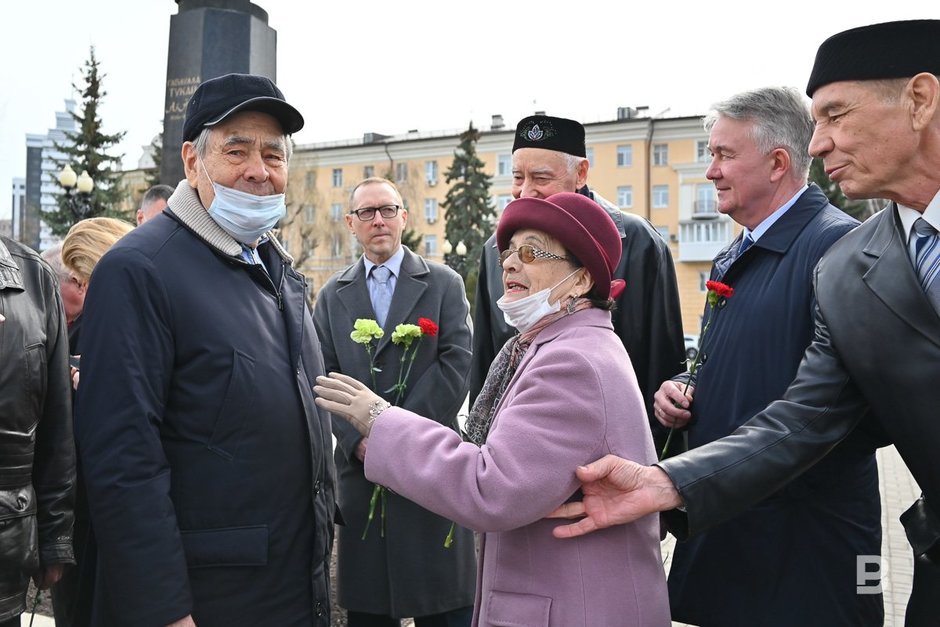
point(244, 216)
point(525, 312)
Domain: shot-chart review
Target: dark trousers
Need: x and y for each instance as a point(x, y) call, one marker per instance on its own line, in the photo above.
point(11, 622)
point(460, 617)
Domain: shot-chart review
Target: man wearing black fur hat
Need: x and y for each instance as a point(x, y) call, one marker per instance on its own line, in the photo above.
point(549, 156)
point(876, 102)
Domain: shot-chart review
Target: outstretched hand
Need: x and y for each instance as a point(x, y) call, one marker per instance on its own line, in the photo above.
point(348, 398)
point(616, 491)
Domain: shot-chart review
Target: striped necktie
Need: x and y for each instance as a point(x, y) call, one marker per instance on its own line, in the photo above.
point(925, 254)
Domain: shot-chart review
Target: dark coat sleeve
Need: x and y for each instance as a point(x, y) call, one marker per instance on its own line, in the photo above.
point(120, 407)
point(439, 389)
point(489, 334)
point(720, 479)
point(648, 318)
point(54, 462)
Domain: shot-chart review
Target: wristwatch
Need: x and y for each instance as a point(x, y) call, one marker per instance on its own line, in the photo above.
point(377, 407)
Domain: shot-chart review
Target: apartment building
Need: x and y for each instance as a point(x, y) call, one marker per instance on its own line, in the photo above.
point(650, 166)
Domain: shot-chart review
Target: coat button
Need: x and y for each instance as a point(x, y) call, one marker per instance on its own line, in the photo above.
point(316, 488)
point(318, 608)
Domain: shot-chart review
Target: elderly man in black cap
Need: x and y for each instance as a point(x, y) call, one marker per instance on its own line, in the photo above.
point(208, 466)
point(549, 156)
point(876, 102)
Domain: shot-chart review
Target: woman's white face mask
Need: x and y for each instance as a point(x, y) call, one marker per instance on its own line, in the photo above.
point(525, 312)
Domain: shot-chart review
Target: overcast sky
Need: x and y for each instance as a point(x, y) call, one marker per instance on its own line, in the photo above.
point(359, 66)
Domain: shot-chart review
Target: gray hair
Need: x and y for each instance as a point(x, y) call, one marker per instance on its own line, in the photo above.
point(53, 256)
point(780, 117)
point(572, 162)
point(155, 193)
point(202, 144)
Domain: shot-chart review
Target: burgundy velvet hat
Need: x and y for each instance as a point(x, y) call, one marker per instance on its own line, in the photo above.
point(582, 227)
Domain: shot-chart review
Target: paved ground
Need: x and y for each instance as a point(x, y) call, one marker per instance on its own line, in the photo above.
point(898, 491)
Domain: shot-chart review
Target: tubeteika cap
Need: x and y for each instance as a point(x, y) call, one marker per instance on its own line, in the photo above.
point(877, 51)
point(217, 98)
point(582, 227)
point(550, 133)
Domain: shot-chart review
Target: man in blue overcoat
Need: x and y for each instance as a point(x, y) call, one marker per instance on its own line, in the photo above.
point(752, 569)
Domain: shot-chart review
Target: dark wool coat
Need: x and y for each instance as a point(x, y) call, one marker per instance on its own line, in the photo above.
point(876, 347)
point(648, 319)
point(755, 565)
point(206, 461)
point(37, 452)
point(409, 572)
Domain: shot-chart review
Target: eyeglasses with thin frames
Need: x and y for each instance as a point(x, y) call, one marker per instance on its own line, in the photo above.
point(367, 214)
point(529, 253)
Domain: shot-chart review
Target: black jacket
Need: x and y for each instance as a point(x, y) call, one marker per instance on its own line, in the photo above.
point(207, 464)
point(37, 453)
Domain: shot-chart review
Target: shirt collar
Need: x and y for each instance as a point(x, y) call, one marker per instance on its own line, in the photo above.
point(393, 263)
point(909, 216)
point(769, 221)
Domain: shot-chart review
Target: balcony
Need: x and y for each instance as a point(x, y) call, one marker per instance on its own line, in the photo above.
point(701, 241)
point(705, 209)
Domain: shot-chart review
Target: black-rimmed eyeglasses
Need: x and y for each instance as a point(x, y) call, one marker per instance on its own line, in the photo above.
point(529, 253)
point(368, 213)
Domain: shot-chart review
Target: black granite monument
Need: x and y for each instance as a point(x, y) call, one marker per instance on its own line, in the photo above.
point(209, 38)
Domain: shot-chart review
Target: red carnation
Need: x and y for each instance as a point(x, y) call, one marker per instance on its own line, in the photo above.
point(428, 327)
point(720, 288)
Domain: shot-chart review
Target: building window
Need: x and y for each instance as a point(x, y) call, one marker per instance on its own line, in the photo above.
point(430, 246)
point(309, 213)
point(430, 210)
point(504, 165)
point(337, 177)
point(624, 156)
point(660, 154)
point(702, 280)
point(705, 203)
point(336, 212)
point(310, 180)
point(660, 196)
point(401, 172)
point(430, 172)
point(590, 157)
point(368, 171)
point(502, 200)
point(336, 246)
point(702, 153)
point(625, 196)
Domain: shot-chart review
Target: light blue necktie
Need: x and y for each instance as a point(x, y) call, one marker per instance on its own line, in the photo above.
point(925, 254)
point(382, 298)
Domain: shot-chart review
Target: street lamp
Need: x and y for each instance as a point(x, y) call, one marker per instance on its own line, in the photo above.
point(448, 248)
point(77, 190)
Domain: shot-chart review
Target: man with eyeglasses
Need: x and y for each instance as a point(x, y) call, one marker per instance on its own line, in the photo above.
point(549, 156)
point(407, 572)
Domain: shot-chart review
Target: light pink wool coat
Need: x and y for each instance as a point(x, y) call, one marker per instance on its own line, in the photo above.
point(574, 399)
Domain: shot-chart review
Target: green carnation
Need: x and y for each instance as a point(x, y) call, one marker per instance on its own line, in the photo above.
point(365, 330)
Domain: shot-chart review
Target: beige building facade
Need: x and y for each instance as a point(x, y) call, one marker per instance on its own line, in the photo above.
point(652, 167)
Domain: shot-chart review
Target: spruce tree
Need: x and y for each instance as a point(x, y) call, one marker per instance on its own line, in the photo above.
point(469, 212)
point(87, 150)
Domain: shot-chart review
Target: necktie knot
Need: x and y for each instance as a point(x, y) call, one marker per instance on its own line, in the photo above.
point(381, 274)
point(746, 243)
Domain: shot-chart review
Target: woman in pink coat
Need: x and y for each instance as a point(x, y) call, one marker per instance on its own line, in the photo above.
point(562, 393)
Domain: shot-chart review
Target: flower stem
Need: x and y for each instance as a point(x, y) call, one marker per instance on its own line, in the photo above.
point(372, 503)
point(449, 540)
